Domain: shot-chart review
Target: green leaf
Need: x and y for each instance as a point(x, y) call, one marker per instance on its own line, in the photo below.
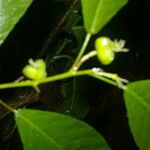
point(10, 13)
point(97, 13)
point(41, 130)
point(137, 99)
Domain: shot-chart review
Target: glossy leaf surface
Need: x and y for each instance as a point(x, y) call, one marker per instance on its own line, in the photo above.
point(97, 13)
point(137, 99)
point(41, 130)
point(10, 13)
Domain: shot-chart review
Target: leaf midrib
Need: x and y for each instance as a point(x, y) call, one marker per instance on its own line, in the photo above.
point(140, 100)
point(39, 130)
point(96, 15)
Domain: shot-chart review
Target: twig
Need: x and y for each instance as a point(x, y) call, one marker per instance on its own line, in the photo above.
point(56, 31)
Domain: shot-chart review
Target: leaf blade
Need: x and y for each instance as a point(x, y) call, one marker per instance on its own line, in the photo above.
point(10, 13)
point(44, 130)
point(137, 99)
point(99, 12)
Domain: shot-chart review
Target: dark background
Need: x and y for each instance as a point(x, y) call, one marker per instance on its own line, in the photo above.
point(107, 110)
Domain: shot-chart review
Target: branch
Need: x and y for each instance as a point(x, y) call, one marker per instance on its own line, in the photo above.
point(56, 31)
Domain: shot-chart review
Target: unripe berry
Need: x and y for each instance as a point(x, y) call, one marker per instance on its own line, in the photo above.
point(104, 50)
point(35, 70)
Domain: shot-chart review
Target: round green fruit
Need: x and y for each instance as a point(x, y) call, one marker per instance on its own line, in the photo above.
point(35, 70)
point(105, 55)
point(102, 42)
point(104, 50)
point(40, 64)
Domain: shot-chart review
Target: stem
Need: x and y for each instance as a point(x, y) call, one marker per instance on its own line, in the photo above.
point(87, 39)
point(35, 84)
point(61, 47)
point(85, 58)
point(17, 84)
point(7, 106)
point(104, 79)
point(110, 78)
point(73, 94)
point(62, 57)
point(68, 74)
point(100, 75)
point(53, 35)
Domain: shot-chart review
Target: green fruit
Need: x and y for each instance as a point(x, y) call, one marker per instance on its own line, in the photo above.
point(35, 70)
point(40, 64)
point(105, 55)
point(104, 50)
point(102, 42)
